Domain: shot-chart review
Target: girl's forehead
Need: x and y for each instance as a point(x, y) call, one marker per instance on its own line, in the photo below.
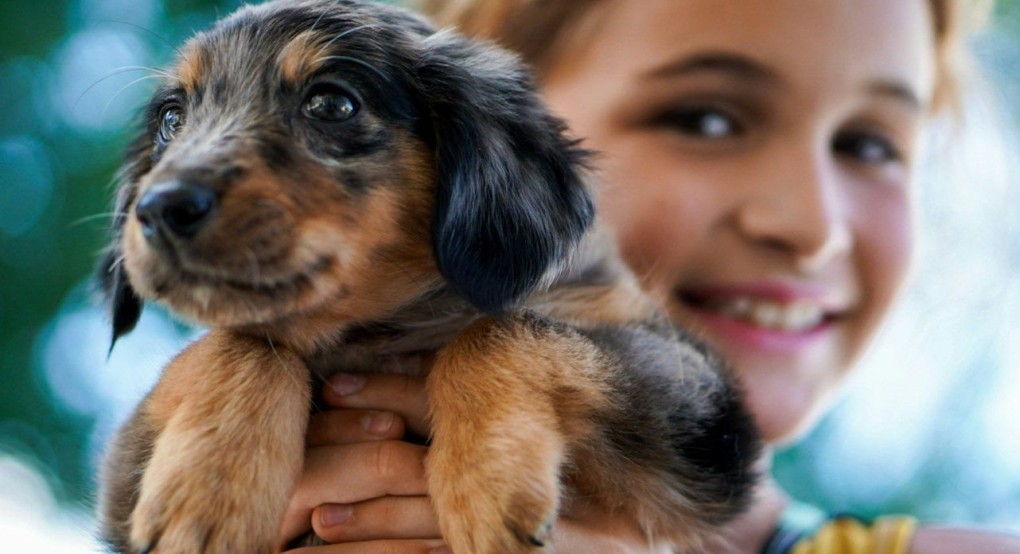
point(801, 41)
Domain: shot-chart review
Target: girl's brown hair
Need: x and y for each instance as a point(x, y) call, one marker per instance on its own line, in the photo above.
point(535, 29)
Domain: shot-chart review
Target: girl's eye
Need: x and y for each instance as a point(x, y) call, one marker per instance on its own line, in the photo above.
point(866, 148)
point(704, 123)
point(329, 103)
point(171, 119)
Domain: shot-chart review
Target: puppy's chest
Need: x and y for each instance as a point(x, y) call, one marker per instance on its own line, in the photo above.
point(391, 346)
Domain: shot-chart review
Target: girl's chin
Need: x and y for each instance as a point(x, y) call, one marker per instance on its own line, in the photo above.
point(784, 410)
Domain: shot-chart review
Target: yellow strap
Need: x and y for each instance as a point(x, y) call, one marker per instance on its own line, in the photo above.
point(893, 534)
point(889, 535)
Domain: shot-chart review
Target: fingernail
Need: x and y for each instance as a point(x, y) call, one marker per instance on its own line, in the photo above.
point(441, 550)
point(377, 423)
point(345, 383)
point(335, 514)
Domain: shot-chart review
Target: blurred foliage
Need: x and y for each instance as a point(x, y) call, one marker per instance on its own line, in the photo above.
point(59, 150)
point(1007, 16)
point(63, 174)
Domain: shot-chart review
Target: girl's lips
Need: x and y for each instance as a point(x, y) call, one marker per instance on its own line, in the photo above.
point(774, 317)
point(758, 338)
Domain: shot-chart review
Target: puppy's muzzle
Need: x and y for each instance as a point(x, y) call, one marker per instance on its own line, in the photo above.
point(175, 210)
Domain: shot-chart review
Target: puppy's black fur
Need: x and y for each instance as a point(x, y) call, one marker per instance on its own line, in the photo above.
point(494, 259)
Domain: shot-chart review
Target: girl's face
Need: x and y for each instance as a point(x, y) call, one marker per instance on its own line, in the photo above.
point(757, 160)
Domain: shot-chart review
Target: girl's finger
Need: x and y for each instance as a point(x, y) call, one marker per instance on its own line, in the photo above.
point(353, 473)
point(400, 394)
point(390, 517)
point(337, 427)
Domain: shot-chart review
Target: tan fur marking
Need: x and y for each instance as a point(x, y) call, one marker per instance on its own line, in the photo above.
point(300, 57)
point(514, 396)
point(241, 439)
point(192, 65)
point(384, 245)
point(621, 303)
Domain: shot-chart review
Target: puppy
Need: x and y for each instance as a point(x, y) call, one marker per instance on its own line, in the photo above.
point(331, 183)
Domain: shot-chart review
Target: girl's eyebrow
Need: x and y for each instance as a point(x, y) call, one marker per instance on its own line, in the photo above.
point(734, 65)
point(744, 68)
point(898, 91)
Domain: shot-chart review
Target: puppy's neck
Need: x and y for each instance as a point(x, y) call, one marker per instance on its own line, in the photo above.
point(393, 329)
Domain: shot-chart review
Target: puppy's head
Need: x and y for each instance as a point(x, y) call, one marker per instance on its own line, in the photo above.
point(337, 157)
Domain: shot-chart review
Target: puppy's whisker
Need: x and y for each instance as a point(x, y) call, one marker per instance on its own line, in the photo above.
point(94, 217)
point(157, 71)
point(117, 262)
point(122, 89)
point(119, 71)
point(349, 31)
point(314, 374)
point(319, 378)
point(151, 33)
point(317, 21)
point(647, 274)
point(269, 339)
point(362, 63)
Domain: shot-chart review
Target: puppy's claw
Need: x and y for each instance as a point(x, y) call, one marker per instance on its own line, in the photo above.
point(540, 537)
point(150, 547)
point(537, 537)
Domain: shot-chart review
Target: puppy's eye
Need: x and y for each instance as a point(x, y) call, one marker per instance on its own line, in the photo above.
point(171, 119)
point(329, 103)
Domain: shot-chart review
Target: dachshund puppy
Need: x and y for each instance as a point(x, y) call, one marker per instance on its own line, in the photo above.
point(331, 183)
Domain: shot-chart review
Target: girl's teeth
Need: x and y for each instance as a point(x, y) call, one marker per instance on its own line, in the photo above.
point(767, 314)
point(738, 308)
point(772, 315)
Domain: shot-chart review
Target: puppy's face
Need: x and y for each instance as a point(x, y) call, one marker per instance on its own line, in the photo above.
point(316, 156)
point(281, 174)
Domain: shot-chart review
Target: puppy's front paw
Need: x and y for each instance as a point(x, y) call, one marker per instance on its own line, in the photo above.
point(228, 452)
point(202, 509)
point(498, 442)
point(481, 521)
point(505, 507)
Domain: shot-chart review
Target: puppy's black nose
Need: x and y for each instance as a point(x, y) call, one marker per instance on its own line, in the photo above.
point(178, 208)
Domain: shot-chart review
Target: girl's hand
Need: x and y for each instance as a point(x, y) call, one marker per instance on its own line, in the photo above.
point(364, 490)
point(362, 487)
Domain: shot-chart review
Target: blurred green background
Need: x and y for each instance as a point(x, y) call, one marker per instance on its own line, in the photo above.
point(931, 426)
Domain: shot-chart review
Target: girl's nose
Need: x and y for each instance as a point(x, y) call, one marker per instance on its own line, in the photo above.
point(798, 208)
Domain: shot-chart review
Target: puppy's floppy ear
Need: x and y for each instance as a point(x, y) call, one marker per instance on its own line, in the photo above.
point(124, 303)
point(510, 199)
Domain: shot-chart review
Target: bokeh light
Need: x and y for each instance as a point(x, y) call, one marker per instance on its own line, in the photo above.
point(26, 169)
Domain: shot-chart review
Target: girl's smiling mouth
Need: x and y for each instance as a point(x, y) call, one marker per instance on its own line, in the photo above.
point(767, 315)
